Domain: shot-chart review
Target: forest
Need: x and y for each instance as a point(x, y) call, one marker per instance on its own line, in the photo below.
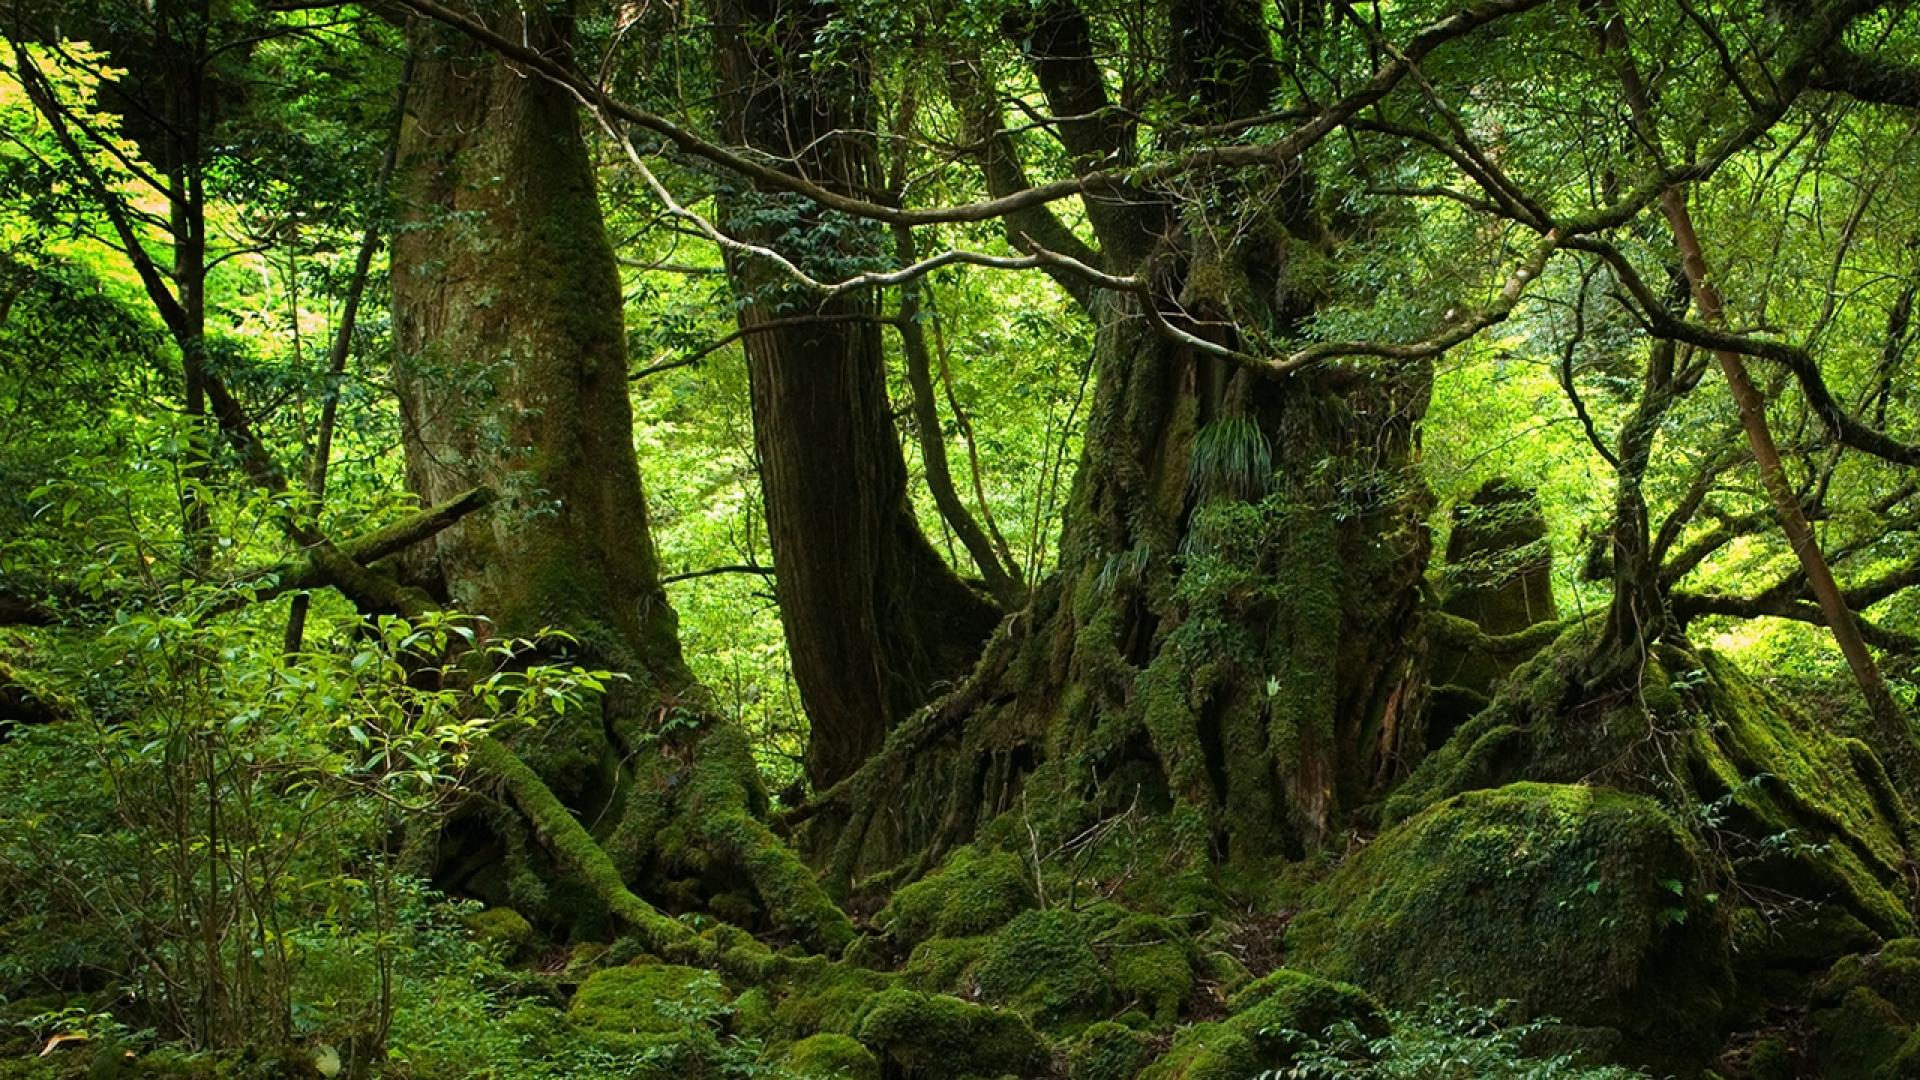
point(945, 539)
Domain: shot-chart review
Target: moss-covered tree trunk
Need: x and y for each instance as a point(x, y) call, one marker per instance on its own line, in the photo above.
point(875, 620)
point(512, 373)
point(1231, 633)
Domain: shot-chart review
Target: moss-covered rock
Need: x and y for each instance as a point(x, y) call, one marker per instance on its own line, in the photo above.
point(1586, 904)
point(821, 996)
point(500, 928)
point(1263, 1032)
point(1042, 964)
point(1150, 963)
point(1800, 812)
point(1866, 1012)
point(1206, 1052)
point(1276, 1008)
point(664, 1012)
point(647, 998)
point(1857, 1037)
point(945, 964)
point(1771, 1059)
point(974, 892)
point(830, 1057)
point(933, 1035)
point(1107, 1051)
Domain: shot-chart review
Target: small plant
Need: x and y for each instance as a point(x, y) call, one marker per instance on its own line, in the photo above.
point(1231, 457)
point(1444, 1040)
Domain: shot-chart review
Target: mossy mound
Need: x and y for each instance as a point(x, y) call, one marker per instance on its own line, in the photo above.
point(829, 1057)
point(1265, 1029)
point(1803, 815)
point(501, 929)
point(817, 996)
point(1065, 968)
point(1108, 1051)
point(663, 1011)
point(1587, 904)
point(1865, 1017)
point(936, 1036)
point(973, 892)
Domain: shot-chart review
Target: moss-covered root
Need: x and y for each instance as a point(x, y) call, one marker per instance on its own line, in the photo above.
point(576, 850)
point(1586, 904)
point(718, 811)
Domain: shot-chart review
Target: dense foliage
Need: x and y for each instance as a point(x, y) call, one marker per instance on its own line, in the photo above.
point(1075, 538)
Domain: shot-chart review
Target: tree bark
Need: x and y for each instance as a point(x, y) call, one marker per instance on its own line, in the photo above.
point(875, 620)
point(511, 366)
point(1241, 559)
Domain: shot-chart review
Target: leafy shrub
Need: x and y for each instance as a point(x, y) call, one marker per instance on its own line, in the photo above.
point(1446, 1040)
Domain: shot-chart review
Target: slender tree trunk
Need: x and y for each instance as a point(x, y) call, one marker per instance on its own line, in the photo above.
point(876, 621)
point(338, 353)
point(1895, 734)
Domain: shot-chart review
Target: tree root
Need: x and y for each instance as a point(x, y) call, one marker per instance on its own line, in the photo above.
point(728, 950)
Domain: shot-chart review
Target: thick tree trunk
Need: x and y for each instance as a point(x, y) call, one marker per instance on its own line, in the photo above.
point(512, 371)
point(875, 620)
point(512, 363)
point(1232, 630)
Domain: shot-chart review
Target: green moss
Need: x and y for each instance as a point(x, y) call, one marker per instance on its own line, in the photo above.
point(1286, 1000)
point(1857, 1037)
point(933, 1035)
point(943, 964)
point(1586, 904)
point(973, 892)
point(1802, 814)
point(1150, 962)
point(822, 996)
point(500, 928)
point(830, 1057)
point(1206, 1052)
point(1261, 1033)
point(643, 999)
point(1770, 1059)
point(1042, 964)
point(1107, 1051)
point(664, 1013)
point(753, 1014)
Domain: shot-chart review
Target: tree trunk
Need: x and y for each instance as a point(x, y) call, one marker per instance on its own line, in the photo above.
point(1229, 630)
point(512, 374)
point(875, 620)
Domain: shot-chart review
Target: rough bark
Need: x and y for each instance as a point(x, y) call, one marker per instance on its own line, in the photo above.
point(1241, 561)
point(875, 620)
point(512, 372)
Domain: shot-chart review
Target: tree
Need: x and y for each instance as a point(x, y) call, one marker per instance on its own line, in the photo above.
point(512, 373)
point(875, 620)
